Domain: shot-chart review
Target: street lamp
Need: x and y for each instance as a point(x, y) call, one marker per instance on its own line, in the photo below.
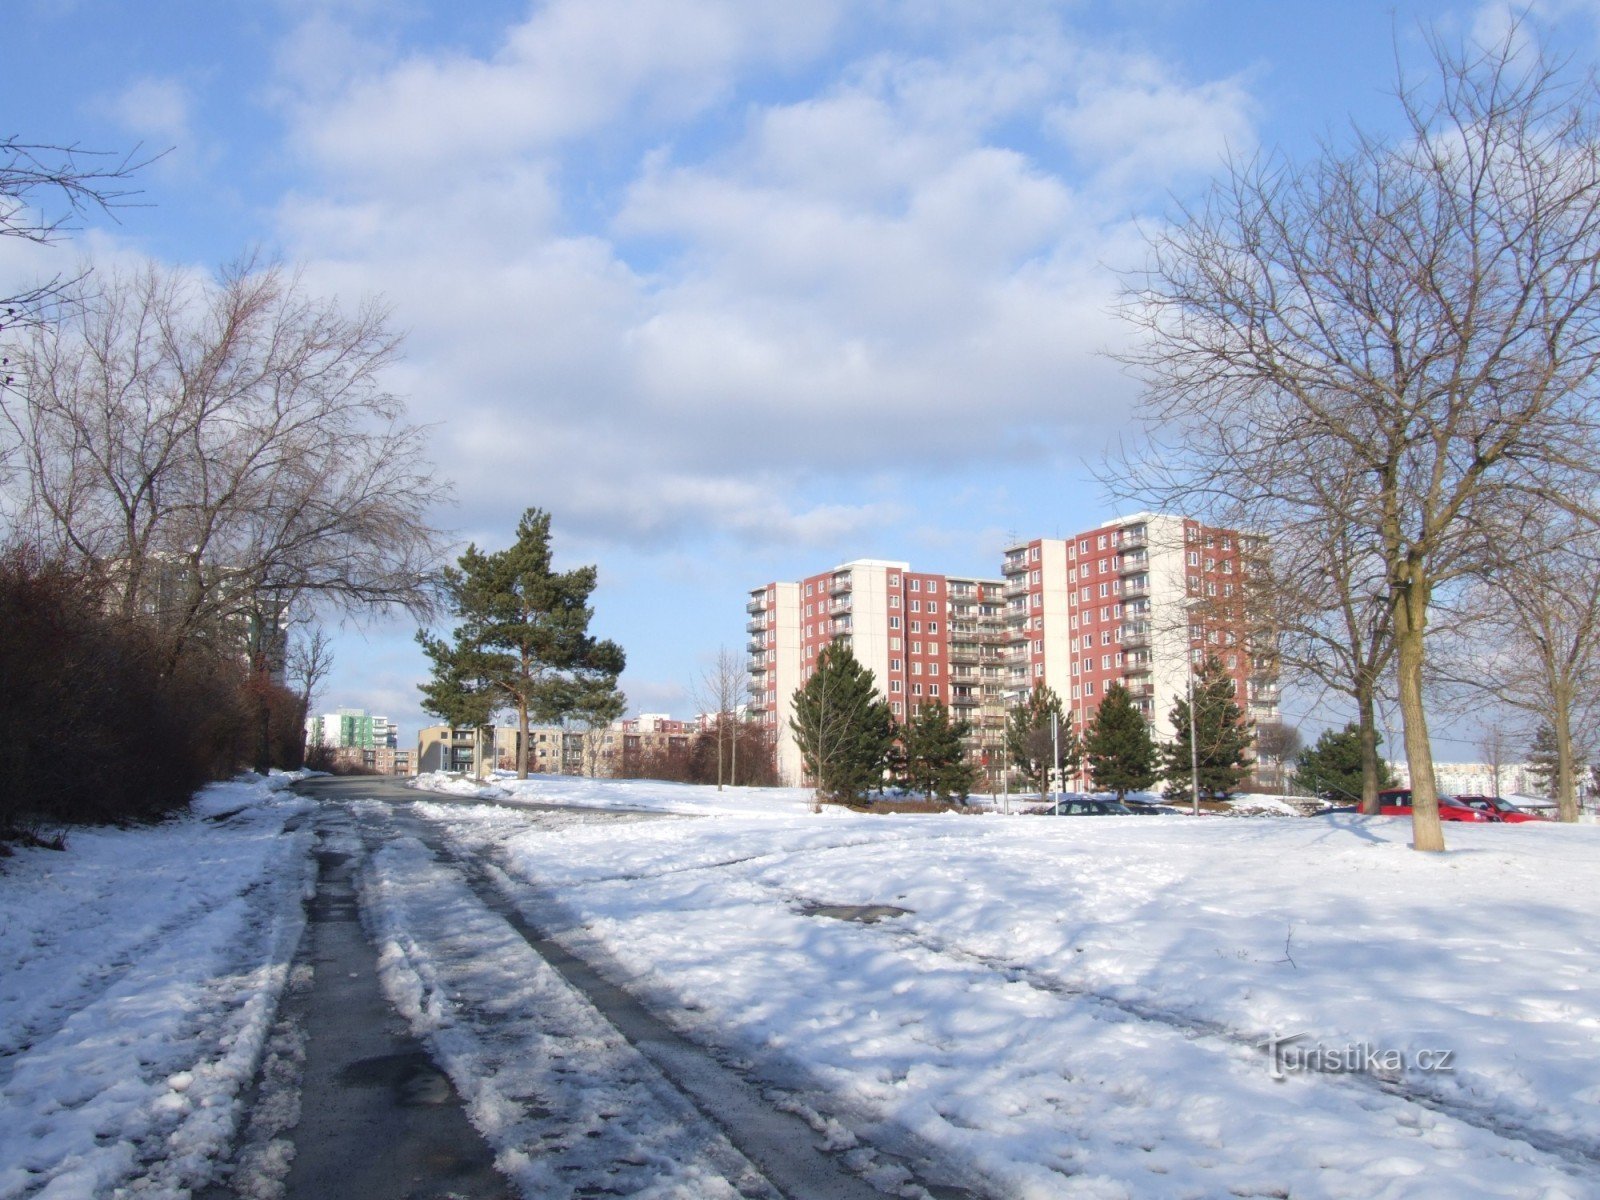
point(1194, 743)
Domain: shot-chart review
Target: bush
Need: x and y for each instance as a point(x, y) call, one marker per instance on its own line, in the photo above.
point(92, 727)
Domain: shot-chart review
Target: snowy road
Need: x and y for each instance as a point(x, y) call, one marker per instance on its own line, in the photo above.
point(601, 1001)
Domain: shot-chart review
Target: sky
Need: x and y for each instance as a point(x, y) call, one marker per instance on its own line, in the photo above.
point(737, 290)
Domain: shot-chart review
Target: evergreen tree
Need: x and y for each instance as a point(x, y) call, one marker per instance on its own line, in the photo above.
point(935, 760)
point(458, 693)
point(844, 729)
point(1543, 763)
point(1030, 743)
point(1121, 753)
point(1332, 767)
point(1221, 736)
point(523, 638)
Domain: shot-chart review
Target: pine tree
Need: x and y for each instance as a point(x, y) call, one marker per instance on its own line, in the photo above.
point(1121, 753)
point(1031, 744)
point(1542, 759)
point(1332, 767)
point(523, 638)
point(844, 729)
point(935, 757)
point(1221, 736)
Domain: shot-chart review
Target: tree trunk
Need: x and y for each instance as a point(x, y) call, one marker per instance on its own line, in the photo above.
point(1367, 722)
point(522, 738)
point(1566, 776)
point(1409, 597)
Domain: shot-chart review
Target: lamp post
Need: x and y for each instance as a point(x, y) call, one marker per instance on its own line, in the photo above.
point(1194, 745)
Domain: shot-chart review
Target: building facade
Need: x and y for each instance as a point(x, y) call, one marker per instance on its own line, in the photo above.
point(923, 636)
point(1135, 601)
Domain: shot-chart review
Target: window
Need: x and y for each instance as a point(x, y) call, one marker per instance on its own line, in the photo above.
point(1088, 641)
point(1227, 542)
point(1105, 590)
point(933, 668)
point(894, 622)
point(1084, 545)
point(896, 687)
point(916, 689)
point(916, 627)
point(898, 708)
point(1038, 670)
point(1211, 562)
point(933, 585)
point(916, 647)
point(933, 627)
point(811, 610)
point(916, 606)
point(894, 643)
point(1102, 544)
point(1088, 687)
point(894, 581)
point(916, 667)
point(1194, 558)
point(1036, 601)
point(809, 629)
point(933, 689)
point(808, 589)
point(916, 585)
point(933, 606)
point(1105, 662)
point(895, 664)
point(1105, 637)
point(894, 601)
point(1211, 589)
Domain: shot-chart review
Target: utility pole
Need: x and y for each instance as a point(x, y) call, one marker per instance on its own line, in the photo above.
point(1194, 745)
point(1055, 749)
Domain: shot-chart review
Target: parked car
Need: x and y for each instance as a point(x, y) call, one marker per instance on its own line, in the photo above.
point(1085, 806)
point(1396, 802)
point(1145, 808)
point(1504, 809)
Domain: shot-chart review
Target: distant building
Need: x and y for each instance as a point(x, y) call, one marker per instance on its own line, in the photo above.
point(1134, 601)
point(923, 636)
point(351, 728)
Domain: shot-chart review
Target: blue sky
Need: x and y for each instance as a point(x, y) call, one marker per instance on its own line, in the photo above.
point(737, 289)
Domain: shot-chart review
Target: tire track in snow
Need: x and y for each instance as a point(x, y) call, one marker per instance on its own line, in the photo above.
point(780, 1138)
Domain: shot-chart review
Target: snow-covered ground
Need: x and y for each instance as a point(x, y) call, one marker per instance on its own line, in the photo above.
point(139, 975)
point(1069, 1007)
point(1079, 1007)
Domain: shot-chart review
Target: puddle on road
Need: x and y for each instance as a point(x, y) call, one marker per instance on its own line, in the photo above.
point(415, 1080)
point(865, 914)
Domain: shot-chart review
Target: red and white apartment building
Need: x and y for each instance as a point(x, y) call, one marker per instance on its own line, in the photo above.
point(923, 636)
point(1132, 601)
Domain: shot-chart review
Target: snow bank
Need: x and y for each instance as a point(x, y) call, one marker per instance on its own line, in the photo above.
point(143, 967)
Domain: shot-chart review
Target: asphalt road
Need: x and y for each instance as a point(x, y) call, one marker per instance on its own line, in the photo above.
point(380, 1121)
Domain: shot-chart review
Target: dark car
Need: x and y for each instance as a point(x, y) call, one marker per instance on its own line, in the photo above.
point(1504, 809)
point(1144, 808)
point(1085, 806)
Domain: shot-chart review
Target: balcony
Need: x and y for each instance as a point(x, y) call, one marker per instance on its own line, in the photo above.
point(757, 625)
point(756, 646)
point(1135, 538)
point(841, 605)
point(839, 584)
point(1137, 664)
point(1136, 633)
point(1132, 564)
point(1137, 585)
point(963, 652)
point(756, 604)
point(1142, 691)
point(758, 666)
point(1015, 562)
point(1015, 587)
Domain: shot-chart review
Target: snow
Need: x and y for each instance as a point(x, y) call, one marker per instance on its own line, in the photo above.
point(1087, 1001)
point(142, 972)
point(1065, 1007)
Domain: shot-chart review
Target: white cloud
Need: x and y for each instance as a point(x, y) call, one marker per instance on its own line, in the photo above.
point(887, 272)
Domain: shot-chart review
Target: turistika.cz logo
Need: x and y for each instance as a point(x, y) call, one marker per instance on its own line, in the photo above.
point(1353, 1058)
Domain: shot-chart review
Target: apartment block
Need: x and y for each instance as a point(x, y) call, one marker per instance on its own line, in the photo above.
point(923, 637)
point(1133, 601)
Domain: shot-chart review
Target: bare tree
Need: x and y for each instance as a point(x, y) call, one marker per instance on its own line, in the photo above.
point(1419, 312)
point(1531, 634)
point(310, 660)
point(213, 449)
point(43, 190)
point(1319, 599)
point(1494, 743)
point(722, 691)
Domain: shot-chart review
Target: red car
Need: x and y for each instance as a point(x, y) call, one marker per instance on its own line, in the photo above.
point(1504, 809)
point(1396, 802)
